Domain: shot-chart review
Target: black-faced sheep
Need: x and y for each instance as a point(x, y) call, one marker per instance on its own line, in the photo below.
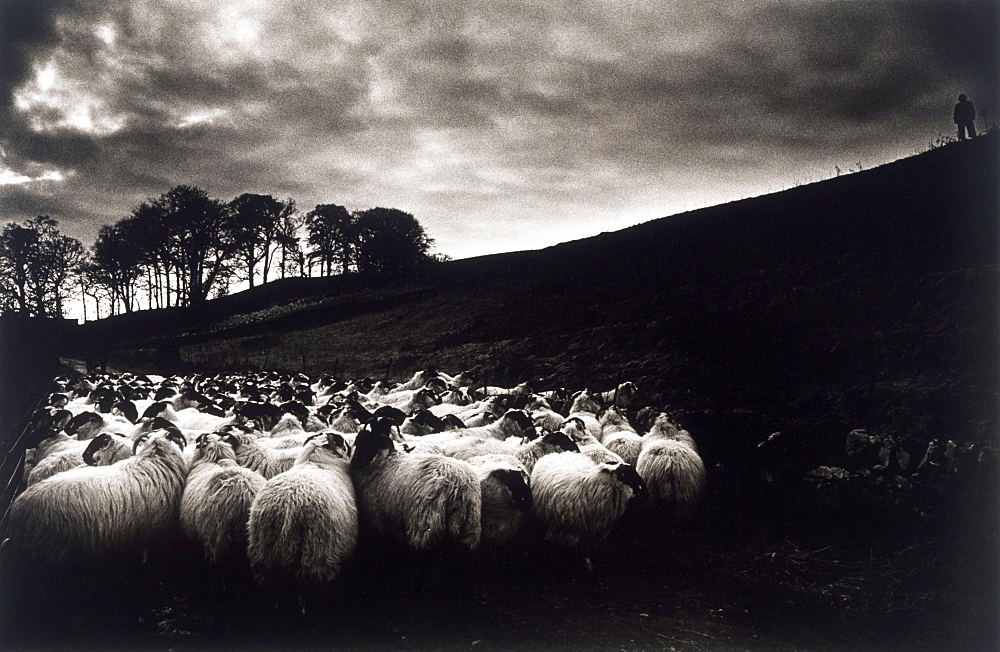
point(421, 500)
point(671, 467)
point(304, 522)
point(103, 450)
point(577, 502)
point(101, 509)
point(618, 435)
point(506, 497)
point(216, 503)
point(254, 455)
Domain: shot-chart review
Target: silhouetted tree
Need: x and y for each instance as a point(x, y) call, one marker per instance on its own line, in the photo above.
point(332, 237)
point(203, 240)
point(36, 266)
point(390, 241)
point(116, 263)
point(287, 240)
point(257, 221)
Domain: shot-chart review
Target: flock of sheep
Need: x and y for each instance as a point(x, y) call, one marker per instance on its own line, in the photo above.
point(289, 473)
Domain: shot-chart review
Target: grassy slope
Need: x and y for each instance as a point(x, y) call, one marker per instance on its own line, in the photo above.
point(863, 301)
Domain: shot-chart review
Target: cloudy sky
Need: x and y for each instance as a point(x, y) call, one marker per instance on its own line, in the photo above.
point(500, 124)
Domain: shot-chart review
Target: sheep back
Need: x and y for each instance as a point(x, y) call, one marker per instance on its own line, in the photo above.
point(674, 474)
point(575, 500)
point(215, 507)
point(303, 525)
point(424, 500)
point(99, 509)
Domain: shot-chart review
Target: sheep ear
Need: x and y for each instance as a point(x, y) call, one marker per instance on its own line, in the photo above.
point(139, 441)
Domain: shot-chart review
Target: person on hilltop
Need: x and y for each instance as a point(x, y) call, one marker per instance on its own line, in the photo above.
point(965, 116)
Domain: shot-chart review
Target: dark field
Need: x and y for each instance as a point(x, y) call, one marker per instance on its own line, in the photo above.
point(868, 302)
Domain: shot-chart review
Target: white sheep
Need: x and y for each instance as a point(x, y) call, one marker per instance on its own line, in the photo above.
point(671, 467)
point(101, 509)
point(514, 425)
point(506, 498)
point(421, 500)
point(621, 396)
point(618, 435)
point(410, 401)
point(103, 450)
point(542, 413)
point(304, 522)
point(577, 502)
point(586, 407)
point(215, 506)
point(254, 455)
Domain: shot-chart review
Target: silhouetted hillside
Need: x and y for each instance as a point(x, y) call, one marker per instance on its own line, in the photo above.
point(824, 303)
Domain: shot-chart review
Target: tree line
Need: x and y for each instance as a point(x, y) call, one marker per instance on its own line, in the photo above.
point(185, 247)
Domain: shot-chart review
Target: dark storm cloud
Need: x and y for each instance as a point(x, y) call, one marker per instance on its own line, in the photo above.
point(555, 118)
point(27, 27)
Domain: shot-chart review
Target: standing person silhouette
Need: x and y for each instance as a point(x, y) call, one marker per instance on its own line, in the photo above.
point(965, 116)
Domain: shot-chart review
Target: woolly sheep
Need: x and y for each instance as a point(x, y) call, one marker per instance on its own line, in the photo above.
point(543, 415)
point(304, 522)
point(618, 435)
point(216, 502)
point(103, 450)
point(586, 407)
point(506, 498)
point(577, 502)
point(101, 509)
point(672, 469)
point(621, 396)
point(250, 453)
point(422, 500)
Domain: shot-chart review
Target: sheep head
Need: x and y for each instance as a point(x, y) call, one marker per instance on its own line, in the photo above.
point(560, 441)
point(516, 481)
point(373, 439)
point(98, 443)
point(626, 474)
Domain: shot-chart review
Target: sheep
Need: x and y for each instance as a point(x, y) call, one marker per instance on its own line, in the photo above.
point(586, 407)
point(103, 450)
point(551, 442)
point(460, 380)
point(515, 424)
point(542, 413)
point(670, 465)
point(101, 509)
point(577, 502)
point(412, 400)
point(484, 418)
point(523, 389)
point(621, 396)
point(418, 380)
point(618, 435)
point(422, 422)
point(496, 405)
point(456, 396)
point(250, 453)
point(85, 425)
point(422, 500)
point(215, 506)
point(304, 522)
point(506, 498)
